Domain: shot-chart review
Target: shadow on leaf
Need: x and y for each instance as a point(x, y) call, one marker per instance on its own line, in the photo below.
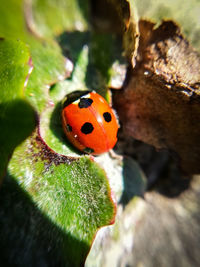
point(56, 127)
point(103, 48)
point(29, 237)
point(18, 120)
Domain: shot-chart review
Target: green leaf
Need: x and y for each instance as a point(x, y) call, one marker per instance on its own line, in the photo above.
point(49, 63)
point(56, 202)
point(17, 118)
point(72, 194)
point(51, 17)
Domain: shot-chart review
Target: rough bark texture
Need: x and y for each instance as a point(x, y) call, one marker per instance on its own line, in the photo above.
point(161, 103)
point(168, 232)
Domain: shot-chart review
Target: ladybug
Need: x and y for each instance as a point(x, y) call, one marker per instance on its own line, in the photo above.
point(89, 122)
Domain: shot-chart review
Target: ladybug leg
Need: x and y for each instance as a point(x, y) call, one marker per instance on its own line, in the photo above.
point(114, 155)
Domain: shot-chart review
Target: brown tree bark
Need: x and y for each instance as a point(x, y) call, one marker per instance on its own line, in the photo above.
point(161, 103)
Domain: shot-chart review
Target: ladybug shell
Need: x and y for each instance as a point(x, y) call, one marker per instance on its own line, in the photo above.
point(89, 123)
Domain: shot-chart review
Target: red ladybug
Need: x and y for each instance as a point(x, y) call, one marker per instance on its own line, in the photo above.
point(88, 122)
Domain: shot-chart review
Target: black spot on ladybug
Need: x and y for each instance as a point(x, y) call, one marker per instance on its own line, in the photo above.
point(70, 98)
point(88, 150)
point(68, 128)
point(85, 102)
point(87, 128)
point(107, 116)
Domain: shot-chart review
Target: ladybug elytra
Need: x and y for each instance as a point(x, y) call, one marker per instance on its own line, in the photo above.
point(89, 122)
